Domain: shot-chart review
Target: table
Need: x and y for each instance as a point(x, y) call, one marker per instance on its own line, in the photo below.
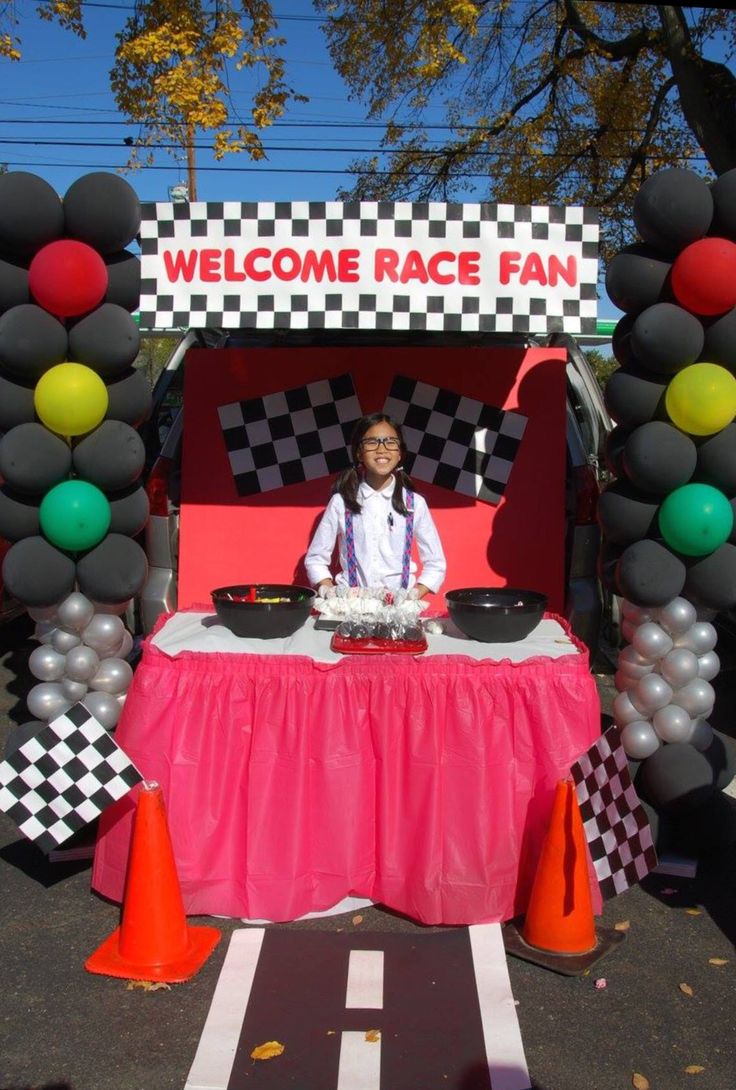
point(294, 780)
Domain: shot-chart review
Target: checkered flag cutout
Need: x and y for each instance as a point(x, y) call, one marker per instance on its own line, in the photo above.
point(454, 441)
point(63, 778)
point(289, 437)
point(616, 826)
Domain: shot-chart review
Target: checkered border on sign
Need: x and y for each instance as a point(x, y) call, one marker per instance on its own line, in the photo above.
point(64, 777)
point(454, 441)
point(325, 306)
point(616, 825)
point(290, 436)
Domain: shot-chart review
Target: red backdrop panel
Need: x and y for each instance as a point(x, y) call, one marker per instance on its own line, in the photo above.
point(226, 539)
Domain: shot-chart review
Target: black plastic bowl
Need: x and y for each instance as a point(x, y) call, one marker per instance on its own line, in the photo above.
point(496, 614)
point(263, 620)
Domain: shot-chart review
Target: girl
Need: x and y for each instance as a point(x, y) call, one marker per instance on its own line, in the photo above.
point(374, 514)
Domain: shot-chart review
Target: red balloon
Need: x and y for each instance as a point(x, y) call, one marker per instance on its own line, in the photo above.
point(704, 276)
point(68, 278)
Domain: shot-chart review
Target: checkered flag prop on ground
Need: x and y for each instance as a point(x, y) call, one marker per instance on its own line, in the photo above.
point(289, 437)
point(457, 442)
point(278, 265)
point(63, 778)
point(616, 826)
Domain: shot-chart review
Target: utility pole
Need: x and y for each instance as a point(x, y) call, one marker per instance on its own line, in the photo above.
point(191, 164)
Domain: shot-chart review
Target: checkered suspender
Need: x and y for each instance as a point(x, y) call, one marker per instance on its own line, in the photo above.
point(408, 539)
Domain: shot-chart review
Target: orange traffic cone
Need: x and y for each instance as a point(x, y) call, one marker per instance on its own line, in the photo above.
point(154, 941)
point(559, 931)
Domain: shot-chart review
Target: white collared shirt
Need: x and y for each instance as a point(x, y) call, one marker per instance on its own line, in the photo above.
point(379, 533)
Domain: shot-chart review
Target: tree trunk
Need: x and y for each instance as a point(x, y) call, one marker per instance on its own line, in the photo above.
point(707, 91)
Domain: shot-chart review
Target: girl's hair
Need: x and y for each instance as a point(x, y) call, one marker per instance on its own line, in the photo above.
point(348, 482)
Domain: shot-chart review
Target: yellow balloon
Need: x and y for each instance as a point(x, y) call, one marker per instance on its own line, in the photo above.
point(70, 399)
point(701, 399)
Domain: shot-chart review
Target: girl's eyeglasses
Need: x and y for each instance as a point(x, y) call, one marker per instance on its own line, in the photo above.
point(390, 442)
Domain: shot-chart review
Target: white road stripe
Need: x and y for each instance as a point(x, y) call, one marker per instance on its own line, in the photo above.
point(365, 979)
point(360, 1062)
point(504, 1048)
point(219, 1041)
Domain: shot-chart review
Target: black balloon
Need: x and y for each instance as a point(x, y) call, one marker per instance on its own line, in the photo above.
point(107, 340)
point(102, 210)
point(123, 280)
point(614, 448)
point(634, 396)
point(658, 457)
point(721, 755)
point(672, 209)
point(717, 460)
point(18, 736)
point(36, 573)
point(14, 289)
point(625, 515)
point(665, 338)
point(31, 341)
point(636, 277)
point(16, 403)
point(675, 778)
point(114, 571)
point(129, 398)
point(33, 459)
point(18, 515)
point(720, 341)
point(723, 191)
point(129, 511)
point(30, 213)
point(112, 456)
point(648, 574)
point(621, 340)
point(711, 580)
point(608, 558)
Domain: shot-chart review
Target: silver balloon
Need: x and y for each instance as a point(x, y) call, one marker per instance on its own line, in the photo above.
point(42, 613)
point(76, 611)
point(47, 700)
point(623, 710)
point(636, 614)
point(104, 632)
point(673, 724)
point(700, 638)
point(73, 690)
point(113, 676)
point(46, 664)
point(104, 707)
point(677, 616)
point(63, 640)
point(630, 662)
point(639, 740)
point(702, 735)
point(679, 666)
point(651, 693)
point(697, 698)
point(708, 665)
point(624, 682)
point(627, 631)
point(82, 663)
point(651, 641)
point(123, 650)
point(44, 631)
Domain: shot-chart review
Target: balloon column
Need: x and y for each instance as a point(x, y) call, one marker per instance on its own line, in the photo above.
point(668, 519)
point(70, 455)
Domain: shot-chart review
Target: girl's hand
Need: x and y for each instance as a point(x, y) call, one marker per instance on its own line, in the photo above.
point(324, 588)
point(421, 591)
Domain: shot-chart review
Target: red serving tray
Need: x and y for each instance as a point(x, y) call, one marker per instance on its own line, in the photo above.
point(371, 645)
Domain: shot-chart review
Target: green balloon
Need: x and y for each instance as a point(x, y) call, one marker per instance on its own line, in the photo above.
point(74, 515)
point(695, 519)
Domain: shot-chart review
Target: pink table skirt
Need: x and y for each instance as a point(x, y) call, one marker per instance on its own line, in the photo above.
point(423, 784)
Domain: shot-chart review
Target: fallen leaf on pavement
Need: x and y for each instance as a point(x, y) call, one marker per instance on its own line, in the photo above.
point(267, 1051)
point(373, 1035)
point(694, 911)
point(357, 920)
point(694, 1069)
point(718, 961)
point(639, 1081)
point(686, 989)
point(148, 985)
point(622, 925)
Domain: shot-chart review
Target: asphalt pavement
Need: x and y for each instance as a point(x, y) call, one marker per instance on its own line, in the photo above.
point(660, 1005)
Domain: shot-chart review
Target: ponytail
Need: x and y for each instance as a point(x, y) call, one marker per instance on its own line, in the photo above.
point(347, 485)
point(401, 483)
